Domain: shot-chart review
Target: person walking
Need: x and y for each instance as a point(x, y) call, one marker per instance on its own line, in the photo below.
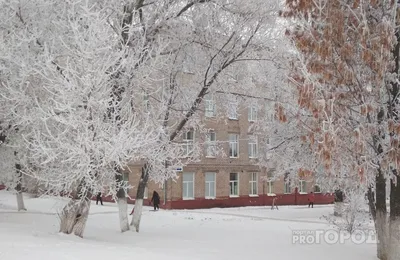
point(274, 203)
point(98, 198)
point(155, 200)
point(311, 199)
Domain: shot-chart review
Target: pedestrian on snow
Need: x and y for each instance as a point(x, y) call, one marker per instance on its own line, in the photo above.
point(98, 198)
point(311, 199)
point(274, 204)
point(156, 200)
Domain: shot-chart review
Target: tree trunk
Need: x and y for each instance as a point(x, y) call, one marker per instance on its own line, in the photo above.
point(339, 204)
point(123, 214)
point(122, 203)
point(137, 214)
point(380, 220)
point(338, 209)
point(18, 189)
point(20, 201)
point(74, 215)
point(394, 244)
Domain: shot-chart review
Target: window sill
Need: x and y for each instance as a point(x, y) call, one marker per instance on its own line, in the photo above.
point(271, 194)
point(209, 198)
point(253, 195)
point(233, 196)
point(233, 157)
point(211, 157)
point(302, 193)
point(236, 119)
point(187, 198)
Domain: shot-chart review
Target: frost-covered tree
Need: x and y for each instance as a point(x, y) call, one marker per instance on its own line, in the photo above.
point(347, 79)
point(71, 82)
point(214, 45)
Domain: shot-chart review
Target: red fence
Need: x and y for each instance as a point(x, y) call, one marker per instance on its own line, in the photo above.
point(242, 201)
point(261, 200)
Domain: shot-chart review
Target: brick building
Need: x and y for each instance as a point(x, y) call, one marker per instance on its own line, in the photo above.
point(229, 177)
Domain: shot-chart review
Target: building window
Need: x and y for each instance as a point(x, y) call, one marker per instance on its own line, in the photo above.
point(287, 188)
point(252, 147)
point(270, 113)
point(253, 183)
point(146, 101)
point(252, 116)
point(188, 185)
point(303, 188)
point(270, 188)
point(210, 185)
point(317, 188)
point(234, 184)
point(233, 145)
point(188, 140)
point(210, 106)
point(211, 146)
point(232, 108)
point(125, 178)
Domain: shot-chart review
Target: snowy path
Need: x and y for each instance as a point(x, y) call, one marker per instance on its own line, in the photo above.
point(206, 234)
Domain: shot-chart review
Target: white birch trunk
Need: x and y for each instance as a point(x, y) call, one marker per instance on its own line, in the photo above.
point(81, 221)
point(123, 214)
point(74, 217)
point(382, 233)
point(20, 201)
point(137, 214)
point(394, 242)
point(338, 209)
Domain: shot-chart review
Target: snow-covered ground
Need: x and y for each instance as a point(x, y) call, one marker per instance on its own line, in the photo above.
point(234, 233)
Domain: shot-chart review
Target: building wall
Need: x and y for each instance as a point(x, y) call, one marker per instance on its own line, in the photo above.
point(175, 200)
point(223, 165)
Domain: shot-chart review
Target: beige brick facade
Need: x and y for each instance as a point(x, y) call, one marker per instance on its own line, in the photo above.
point(222, 165)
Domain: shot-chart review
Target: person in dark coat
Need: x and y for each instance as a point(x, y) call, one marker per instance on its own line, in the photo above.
point(155, 200)
point(98, 198)
point(311, 199)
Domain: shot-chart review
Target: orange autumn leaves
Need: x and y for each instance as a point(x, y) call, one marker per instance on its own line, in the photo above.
point(345, 56)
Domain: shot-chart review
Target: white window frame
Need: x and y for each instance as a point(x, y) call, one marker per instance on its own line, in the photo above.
point(185, 188)
point(146, 101)
point(233, 109)
point(209, 106)
point(252, 115)
point(209, 184)
point(211, 145)
point(270, 115)
point(125, 178)
point(233, 145)
point(319, 187)
point(302, 186)
point(287, 189)
point(253, 180)
point(270, 187)
point(252, 147)
point(232, 184)
point(188, 144)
